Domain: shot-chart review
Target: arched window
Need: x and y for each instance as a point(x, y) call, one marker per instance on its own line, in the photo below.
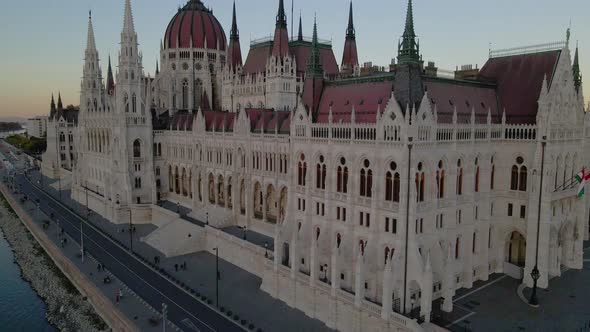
point(457, 248)
point(557, 170)
point(386, 255)
point(459, 178)
point(338, 240)
point(366, 179)
point(476, 175)
point(137, 149)
point(342, 177)
point(420, 183)
point(518, 176)
point(301, 171)
point(126, 100)
point(321, 174)
point(134, 103)
point(392, 184)
point(440, 180)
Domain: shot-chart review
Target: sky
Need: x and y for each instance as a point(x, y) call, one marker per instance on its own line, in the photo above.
point(43, 42)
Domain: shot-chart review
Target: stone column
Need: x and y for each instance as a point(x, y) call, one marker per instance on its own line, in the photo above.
point(335, 274)
point(427, 282)
point(313, 269)
point(387, 290)
point(293, 253)
point(359, 281)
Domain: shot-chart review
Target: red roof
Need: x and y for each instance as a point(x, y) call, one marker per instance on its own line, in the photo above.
point(280, 45)
point(448, 94)
point(234, 53)
point(256, 60)
point(366, 97)
point(302, 51)
point(269, 120)
point(519, 80)
point(219, 121)
point(196, 22)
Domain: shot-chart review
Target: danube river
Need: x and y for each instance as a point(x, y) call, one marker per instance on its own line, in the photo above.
point(20, 308)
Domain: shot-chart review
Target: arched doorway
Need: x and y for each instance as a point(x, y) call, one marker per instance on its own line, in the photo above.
point(282, 204)
point(257, 201)
point(242, 197)
point(220, 191)
point(271, 204)
point(516, 249)
point(211, 187)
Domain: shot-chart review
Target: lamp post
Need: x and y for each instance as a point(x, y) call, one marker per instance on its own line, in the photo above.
point(535, 274)
point(325, 273)
point(407, 223)
point(217, 275)
point(130, 231)
point(164, 316)
point(413, 301)
point(265, 249)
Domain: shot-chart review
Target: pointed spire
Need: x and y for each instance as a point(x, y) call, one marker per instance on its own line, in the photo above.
point(234, 53)
point(408, 48)
point(300, 34)
point(110, 80)
point(576, 71)
point(90, 41)
point(280, 48)
point(60, 106)
point(52, 102)
point(128, 26)
point(350, 33)
point(157, 68)
point(281, 16)
point(314, 66)
point(234, 34)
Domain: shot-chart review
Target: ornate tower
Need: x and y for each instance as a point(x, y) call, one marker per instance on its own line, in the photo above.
point(234, 53)
point(132, 156)
point(350, 61)
point(576, 70)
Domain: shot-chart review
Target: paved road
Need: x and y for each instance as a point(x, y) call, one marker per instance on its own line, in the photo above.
point(184, 310)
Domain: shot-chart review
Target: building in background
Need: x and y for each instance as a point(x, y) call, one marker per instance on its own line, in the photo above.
point(382, 190)
point(37, 126)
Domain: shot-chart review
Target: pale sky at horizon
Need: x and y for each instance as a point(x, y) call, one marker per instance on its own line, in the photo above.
point(43, 42)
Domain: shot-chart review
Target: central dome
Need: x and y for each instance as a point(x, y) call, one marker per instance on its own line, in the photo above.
point(194, 21)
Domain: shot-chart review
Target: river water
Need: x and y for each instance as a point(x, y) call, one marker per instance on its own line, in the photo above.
point(21, 310)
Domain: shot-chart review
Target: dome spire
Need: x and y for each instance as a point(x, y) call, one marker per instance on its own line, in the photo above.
point(90, 41)
point(408, 48)
point(280, 48)
point(350, 55)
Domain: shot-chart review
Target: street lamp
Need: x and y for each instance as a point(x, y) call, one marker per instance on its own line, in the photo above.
point(265, 249)
point(535, 274)
point(207, 218)
point(326, 273)
point(413, 301)
point(217, 276)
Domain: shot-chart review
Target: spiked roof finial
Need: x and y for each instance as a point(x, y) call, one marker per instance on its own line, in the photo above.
point(408, 49)
point(576, 71)
point(234, 34)
point(350, 33)
point(128, 26)
point(281, 16)
point(300, 34)
point(314, 67)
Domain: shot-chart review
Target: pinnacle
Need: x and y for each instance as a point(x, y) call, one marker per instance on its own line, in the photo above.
point(90, 41)
point(128, 26)
point(350, 33)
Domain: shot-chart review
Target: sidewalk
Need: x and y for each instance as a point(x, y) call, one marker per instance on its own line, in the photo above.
point(131, 309)
point(239, 291)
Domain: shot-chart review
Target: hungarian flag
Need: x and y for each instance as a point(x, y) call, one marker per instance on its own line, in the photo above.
point(582, 177)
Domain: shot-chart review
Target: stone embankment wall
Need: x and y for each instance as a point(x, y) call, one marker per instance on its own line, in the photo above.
point(67, 309)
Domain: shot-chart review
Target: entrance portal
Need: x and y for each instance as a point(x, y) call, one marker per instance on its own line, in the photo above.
point(517, 249)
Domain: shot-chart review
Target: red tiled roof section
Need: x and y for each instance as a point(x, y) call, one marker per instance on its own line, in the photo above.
point(269, 120)
point(302, 53)
point(447, 95)
point(519, 80)
point(256, 60)
point(366, 98)
point(219, 121)
point(182, 121)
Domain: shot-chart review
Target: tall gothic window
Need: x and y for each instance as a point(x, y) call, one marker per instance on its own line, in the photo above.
point(137, 149)
point(366, 179)
point(459, 178)
point(440, 180)
point(518, 176)
point(392, 184)
point(342, 177)
point(476, 175)
point(420, 183)
point(134, 103)
point(321, 174)
point(126, 101)
point(492, 175)
point(301, 171)
point(185, 94)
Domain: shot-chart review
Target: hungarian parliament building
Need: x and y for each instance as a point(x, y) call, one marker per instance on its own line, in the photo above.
point(381, 192)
